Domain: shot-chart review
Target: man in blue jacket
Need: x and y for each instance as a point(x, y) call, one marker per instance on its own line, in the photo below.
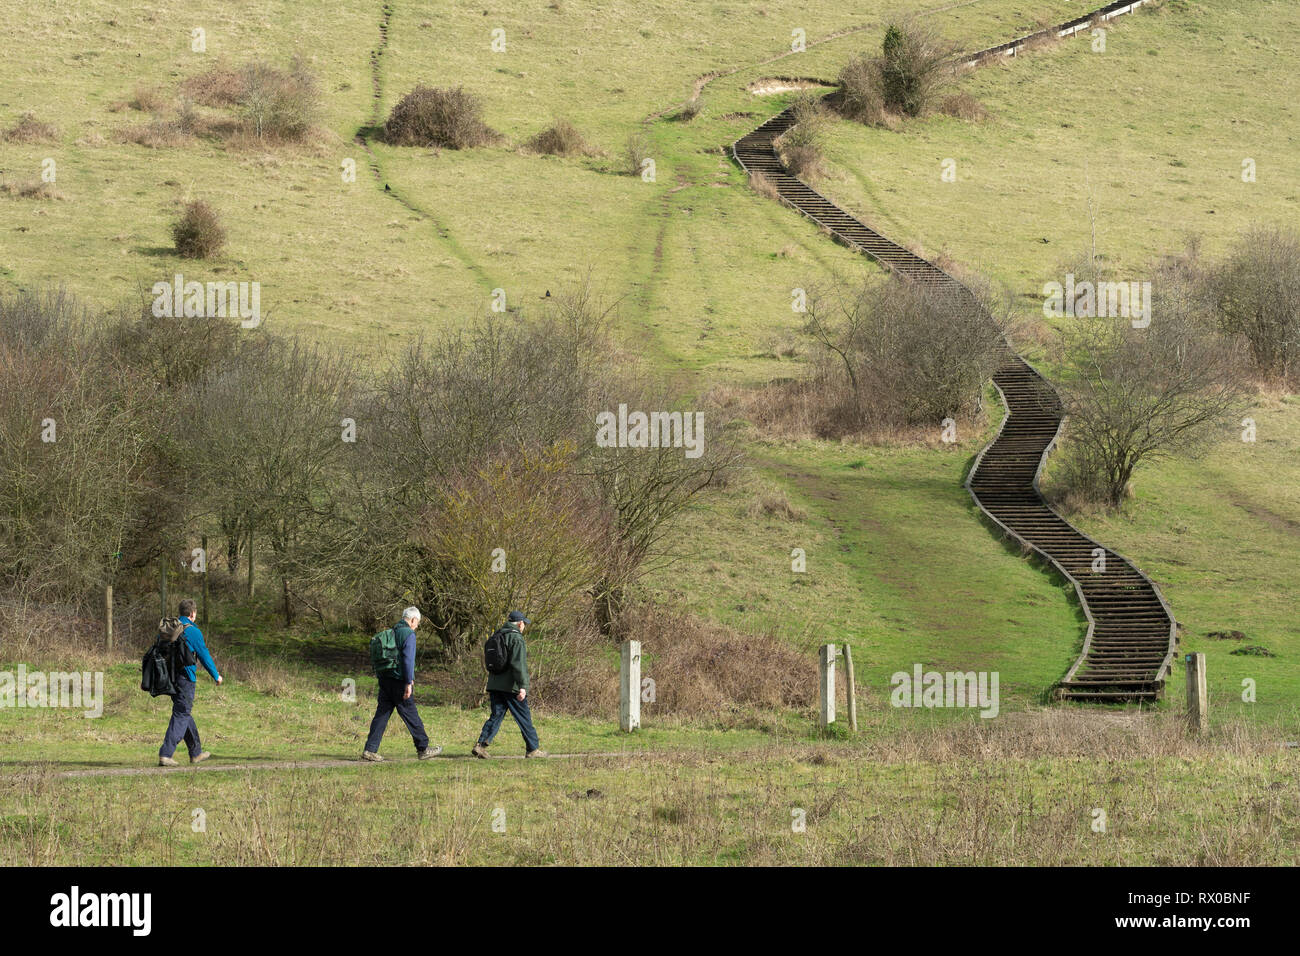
point(395, 694)
point(182, 726)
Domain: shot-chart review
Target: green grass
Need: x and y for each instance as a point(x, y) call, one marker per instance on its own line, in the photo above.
point(899, 564)
point(1024, 791)
point(653, 811)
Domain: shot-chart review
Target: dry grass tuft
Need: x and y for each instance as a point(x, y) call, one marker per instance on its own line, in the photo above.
point(29, 129)
point(775, 504)
point(963, 106)
point(147, 99)
point(561, 138)
point(222, 86)
point(764, 186)
point(31, 189)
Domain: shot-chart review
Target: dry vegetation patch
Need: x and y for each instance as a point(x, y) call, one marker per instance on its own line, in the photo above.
point(561, 138)
point(30, 129)
point(440, 116)
point(31, 189)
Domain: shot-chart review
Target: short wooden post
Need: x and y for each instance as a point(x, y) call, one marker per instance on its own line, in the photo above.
point(1198, 705)
point(203, 543)
point(629, 687)
point(827, 659)
point(853, 691)
point(108, 617)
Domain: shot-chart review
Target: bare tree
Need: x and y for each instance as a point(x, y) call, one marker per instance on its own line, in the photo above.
point(1135, 395)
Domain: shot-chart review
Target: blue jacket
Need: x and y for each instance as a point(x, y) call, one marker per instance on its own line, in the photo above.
point(406, 641)
point(194, 638)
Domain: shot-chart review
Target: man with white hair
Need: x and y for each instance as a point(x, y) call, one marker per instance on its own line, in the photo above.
point(395, 693)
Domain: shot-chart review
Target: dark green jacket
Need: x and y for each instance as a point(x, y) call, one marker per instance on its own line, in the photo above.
point(515, 676)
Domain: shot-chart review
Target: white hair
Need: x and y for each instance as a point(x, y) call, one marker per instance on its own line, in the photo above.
point(411, 614)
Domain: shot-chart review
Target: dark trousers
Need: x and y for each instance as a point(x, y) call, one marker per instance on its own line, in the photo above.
point(182, 726)
point(390, 699)
point(501, 702)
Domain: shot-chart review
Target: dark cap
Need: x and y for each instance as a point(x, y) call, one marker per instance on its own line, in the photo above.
point(516, 616)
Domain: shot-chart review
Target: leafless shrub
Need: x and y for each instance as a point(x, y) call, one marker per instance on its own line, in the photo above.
point(714, 671)
point(147, 99)
point(800, 147)
point(31, 189)
point(915, 66)
point(907, 78)
point(1256, 294)
point(963, 106)
point(449, 117)
point(702, 671)
point(691, 109)
point(198, 233)
point(635, 153)
point(775, 504)
point(280, 105)
point(860, 94)
point(221, 86)
point(548, 528)
point(763, 186)
point(160, 133)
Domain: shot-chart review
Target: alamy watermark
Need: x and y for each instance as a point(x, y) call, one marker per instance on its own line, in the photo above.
point(651, 430)
point(951, 689)
point(74, 909)
point(213, 300)
point(74, 689)
point(1087, 299)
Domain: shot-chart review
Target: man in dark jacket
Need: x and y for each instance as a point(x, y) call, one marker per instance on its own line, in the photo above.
point(182, 726)
point(509, 691)
point(395, 694)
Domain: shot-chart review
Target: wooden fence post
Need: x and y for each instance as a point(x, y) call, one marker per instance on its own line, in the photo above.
point(1198, 705)
point(629, 687)
point(203, 543)
point(853, 691)
point(827, 660)
point(108, 617)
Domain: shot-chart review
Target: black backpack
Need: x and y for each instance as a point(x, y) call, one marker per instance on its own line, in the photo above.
point(164, 661)
point(496, 652)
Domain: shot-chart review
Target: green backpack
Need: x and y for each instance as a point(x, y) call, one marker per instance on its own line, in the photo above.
point(385, 655)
